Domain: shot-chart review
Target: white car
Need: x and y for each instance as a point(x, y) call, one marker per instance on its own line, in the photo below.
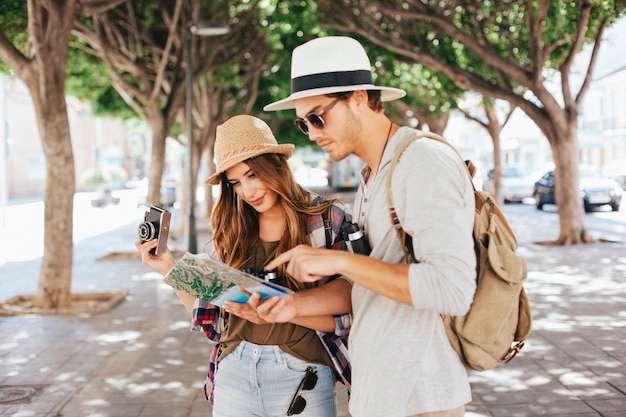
point(515, 185)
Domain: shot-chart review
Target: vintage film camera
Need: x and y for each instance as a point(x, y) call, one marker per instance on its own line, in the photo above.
point(155, 225)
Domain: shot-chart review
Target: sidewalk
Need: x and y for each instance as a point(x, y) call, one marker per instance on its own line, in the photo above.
point(140, 360)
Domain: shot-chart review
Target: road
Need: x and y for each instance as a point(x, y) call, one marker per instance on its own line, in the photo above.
point(22, 225)
point(603, 223)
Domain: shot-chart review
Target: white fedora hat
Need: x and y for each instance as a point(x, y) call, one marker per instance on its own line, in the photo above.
point(331, 64)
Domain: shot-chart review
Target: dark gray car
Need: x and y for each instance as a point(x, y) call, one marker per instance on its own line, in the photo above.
point(595, 189)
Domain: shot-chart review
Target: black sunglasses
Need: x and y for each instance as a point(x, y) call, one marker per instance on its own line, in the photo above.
point(298, 402)
point(315, 117)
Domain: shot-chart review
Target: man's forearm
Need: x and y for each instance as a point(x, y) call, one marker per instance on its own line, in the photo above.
point(367, 272)
point(329, 299)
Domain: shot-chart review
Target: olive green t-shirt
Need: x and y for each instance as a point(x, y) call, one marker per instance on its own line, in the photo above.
point(296, 340)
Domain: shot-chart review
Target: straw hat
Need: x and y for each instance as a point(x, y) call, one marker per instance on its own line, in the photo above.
point(243, 137)
point(331, 64)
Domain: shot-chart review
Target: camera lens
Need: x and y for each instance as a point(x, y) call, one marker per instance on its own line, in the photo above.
point(146, 231)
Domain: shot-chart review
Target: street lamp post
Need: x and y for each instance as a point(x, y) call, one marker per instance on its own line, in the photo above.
point(200, 29)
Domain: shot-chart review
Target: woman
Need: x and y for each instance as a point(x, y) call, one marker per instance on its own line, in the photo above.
point(266, 363)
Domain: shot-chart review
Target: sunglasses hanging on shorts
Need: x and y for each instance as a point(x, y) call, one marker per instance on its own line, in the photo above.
point(298, 402)
point(315, 117)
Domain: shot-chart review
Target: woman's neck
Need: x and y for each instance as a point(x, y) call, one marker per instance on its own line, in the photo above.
point(272, 224)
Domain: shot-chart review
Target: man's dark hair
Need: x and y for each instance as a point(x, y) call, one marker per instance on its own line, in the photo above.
point(373, 98)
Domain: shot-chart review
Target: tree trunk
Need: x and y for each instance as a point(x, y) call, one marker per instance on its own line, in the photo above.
point(438, 123)
point(188, 185)
point(197, 159)
point(568, 198)
point(56, 269)
point(44, 75)
point(494, 129)
point(208, 206)
point(157, 158)
point(43, 71)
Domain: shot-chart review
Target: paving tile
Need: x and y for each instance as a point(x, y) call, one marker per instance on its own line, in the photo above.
point(568, 407)
point(520, 410)
point(609, 404)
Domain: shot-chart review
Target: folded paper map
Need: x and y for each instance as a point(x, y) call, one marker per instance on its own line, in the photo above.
point(215, 282)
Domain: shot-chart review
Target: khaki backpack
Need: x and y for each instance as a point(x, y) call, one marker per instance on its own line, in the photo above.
point(499, 319)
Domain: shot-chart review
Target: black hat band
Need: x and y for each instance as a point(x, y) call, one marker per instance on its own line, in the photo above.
point(330, 79)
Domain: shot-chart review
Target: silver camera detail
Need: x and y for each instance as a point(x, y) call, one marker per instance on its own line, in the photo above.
point(355, 239)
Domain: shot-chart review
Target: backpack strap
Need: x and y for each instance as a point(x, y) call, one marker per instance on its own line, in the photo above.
point(405, 238)
point(328, 227)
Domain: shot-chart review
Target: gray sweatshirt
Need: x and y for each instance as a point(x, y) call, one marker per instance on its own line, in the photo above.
point(402, 362)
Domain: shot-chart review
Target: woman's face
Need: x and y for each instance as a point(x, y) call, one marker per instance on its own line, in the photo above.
point(250, 188)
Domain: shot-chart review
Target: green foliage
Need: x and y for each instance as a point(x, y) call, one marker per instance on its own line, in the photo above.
point(487, 45)
point(288, 24)
point(428, 92)
point(502, 27)
point(14, 24)
point(88, 79)
point(134, 34)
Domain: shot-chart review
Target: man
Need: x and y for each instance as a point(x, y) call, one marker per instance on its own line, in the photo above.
point(402, 362)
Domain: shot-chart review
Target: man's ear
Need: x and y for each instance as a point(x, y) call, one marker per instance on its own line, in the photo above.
point(360, 98)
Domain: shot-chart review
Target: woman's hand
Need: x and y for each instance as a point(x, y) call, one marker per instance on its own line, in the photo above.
point(161, 263)
point(247, 310)
point(270, 310)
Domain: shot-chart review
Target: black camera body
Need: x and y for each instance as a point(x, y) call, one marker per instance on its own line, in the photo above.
point(155, 225)
point(266, 275)
point(355, 239)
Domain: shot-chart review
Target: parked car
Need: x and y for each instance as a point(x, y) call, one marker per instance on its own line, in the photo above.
point(595, 189)
point(616, 170)
point(515, 184)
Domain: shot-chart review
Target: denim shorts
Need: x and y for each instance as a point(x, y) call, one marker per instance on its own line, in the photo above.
point(259, 380)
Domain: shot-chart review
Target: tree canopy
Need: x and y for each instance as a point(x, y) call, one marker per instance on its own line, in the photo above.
point(501, 50)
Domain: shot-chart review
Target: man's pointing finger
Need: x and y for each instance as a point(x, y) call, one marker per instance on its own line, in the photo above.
point(279, 260)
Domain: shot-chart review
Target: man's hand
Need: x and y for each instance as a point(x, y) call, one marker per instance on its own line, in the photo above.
point(308, 264)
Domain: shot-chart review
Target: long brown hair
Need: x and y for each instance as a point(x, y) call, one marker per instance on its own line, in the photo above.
point(236, 224)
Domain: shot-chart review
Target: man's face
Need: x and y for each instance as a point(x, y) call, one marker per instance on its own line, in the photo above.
point(329, 123)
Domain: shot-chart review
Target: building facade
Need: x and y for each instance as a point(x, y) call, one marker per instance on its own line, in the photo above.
point(97, 143)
